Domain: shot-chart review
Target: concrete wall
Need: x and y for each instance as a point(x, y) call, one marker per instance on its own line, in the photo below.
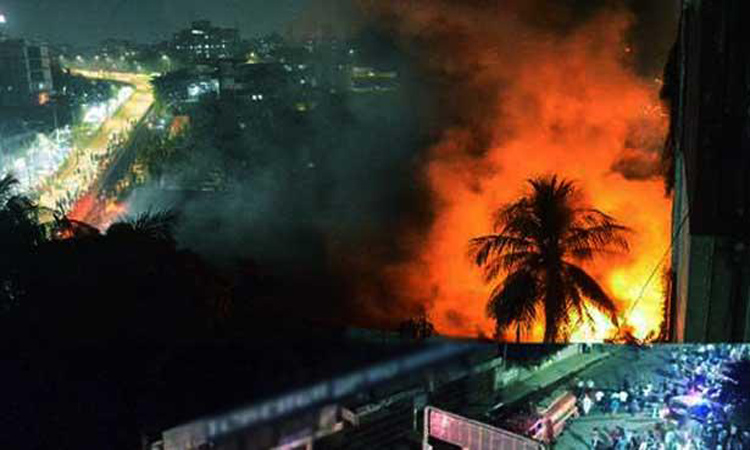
point(514, 374)
point(712, 183)
point(712, 306)
point(681, 252)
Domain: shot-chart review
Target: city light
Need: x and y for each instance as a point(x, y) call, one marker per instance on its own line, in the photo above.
point(2, 18)
point(97, 114)
point(37, 161)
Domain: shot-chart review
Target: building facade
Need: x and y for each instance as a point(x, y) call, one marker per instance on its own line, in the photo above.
point(313, 413)
point(3, 26)
point(711, 141)
point(204, 41)
point(25, 73)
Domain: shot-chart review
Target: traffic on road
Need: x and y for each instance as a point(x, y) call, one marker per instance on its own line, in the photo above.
point(665, 397)
point(86, 163)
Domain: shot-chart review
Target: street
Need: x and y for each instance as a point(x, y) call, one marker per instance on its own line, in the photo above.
point(86, 163)
point(625, 363)
point(641, 392)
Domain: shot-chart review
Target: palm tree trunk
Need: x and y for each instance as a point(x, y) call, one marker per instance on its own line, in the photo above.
point(518, 333)
point(554, 301)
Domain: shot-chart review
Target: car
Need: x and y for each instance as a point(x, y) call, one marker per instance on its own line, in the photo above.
point(693, 407)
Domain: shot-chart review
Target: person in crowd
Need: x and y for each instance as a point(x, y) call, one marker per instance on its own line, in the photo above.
point(586, 404)
point(596, 439)
point(615, 404)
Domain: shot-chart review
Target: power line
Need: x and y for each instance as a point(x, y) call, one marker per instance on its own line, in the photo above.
point(661, 261)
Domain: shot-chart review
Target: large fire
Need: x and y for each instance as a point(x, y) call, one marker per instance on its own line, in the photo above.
point(565, 103)
point(96, 211)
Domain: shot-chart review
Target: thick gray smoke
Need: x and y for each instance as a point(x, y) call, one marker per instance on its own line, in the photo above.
point(321, 204)
point(332, 202)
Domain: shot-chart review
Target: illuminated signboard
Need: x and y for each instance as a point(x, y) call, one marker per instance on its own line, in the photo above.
point(471, 435)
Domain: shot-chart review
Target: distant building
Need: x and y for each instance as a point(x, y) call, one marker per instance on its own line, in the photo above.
point(40, 68)
point(116, 48)
point(707, 81)
point(187, 85)
point(368, 79)
point(203, 41)
point(3, 26)
point(266, 83)
point(25, 73)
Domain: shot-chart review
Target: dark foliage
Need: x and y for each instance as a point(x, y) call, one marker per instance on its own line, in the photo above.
point(67, 282)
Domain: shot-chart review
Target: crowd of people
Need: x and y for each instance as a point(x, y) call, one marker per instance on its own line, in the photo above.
point(685, 404)
point(64, 193)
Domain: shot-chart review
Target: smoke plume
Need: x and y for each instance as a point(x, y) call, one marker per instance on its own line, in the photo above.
point(531, 89)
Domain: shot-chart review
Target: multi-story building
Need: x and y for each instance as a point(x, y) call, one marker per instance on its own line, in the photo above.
point(204, 41)
point(187, 85)
point(40, 68)
point(3, 26)
point(25, 73)
point(269, 84)
point(707, 85)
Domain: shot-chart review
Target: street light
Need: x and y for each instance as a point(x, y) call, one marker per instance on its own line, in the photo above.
point(166, 59)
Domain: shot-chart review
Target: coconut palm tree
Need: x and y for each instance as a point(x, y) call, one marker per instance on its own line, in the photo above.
point(536, 242)
point(152, 227)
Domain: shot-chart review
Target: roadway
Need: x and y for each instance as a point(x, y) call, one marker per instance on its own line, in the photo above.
point(648, 365)
point(84, 168)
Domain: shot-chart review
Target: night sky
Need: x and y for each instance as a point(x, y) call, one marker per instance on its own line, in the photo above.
point(90, 21)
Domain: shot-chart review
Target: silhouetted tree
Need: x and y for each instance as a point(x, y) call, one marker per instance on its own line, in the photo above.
point(418, 327)
point(20, 237)
point(535, 240)
point(130, 283)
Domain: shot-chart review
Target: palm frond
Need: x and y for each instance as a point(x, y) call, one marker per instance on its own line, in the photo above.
point(484, 248)
point(509, 262)
point(518, 219)
point(591, 290)
point(577, 303)
point(8, 184)
point(514, 301)
point(593, 233)
point(159, 225)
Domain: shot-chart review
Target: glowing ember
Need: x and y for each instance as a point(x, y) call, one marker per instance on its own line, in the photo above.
point(569, 106)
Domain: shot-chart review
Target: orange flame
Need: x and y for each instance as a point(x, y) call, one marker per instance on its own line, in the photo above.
point(97, 212)
point(570, 106)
